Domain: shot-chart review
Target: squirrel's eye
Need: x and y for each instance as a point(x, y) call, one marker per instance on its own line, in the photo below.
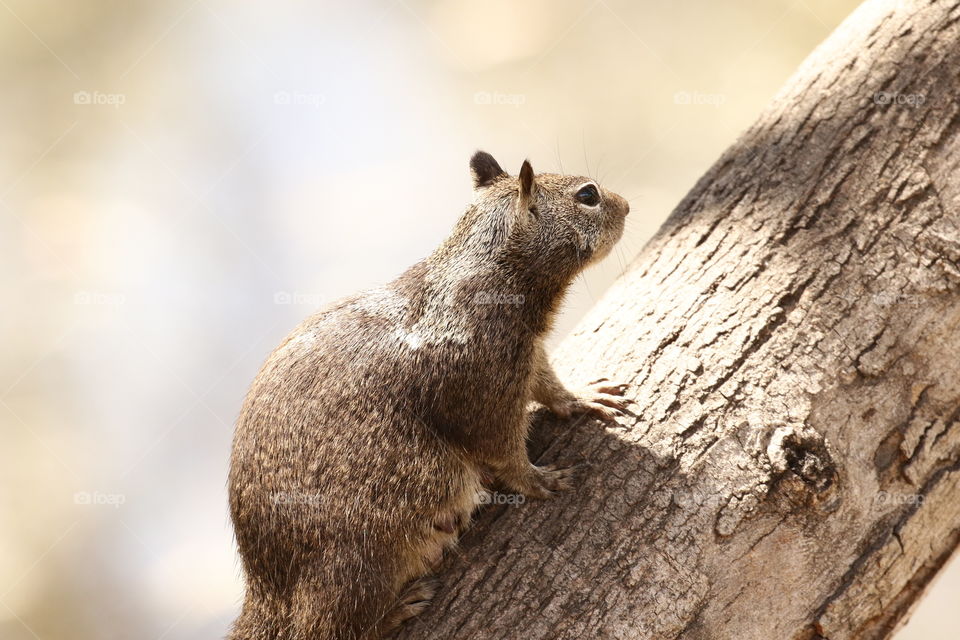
point(588, 195)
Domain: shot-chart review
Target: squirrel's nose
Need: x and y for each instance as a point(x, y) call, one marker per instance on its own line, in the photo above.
point(621, 204)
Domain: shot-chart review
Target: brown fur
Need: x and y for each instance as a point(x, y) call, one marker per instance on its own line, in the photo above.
point(364, 443)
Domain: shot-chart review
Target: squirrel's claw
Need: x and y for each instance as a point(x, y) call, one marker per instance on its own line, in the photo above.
point(601, 398)
point(549, 480)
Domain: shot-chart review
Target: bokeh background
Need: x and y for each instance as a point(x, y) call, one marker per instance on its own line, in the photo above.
point(181, 182)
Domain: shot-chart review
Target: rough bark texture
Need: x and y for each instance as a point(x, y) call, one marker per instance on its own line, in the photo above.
point(791, 337)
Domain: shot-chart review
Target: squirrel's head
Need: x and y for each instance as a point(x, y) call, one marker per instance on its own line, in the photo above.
point(549, 223)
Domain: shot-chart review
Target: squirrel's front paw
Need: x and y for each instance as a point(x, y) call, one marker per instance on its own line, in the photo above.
point(602, 398)
point(541, 482)
point(546, 481)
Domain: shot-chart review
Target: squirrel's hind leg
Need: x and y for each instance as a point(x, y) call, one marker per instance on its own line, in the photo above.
point(413, 600)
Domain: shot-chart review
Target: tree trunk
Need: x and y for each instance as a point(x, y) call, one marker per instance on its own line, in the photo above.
point(791, 339)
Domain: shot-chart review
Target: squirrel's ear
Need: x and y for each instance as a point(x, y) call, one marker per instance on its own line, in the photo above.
point(527, 187)
point(484, 169)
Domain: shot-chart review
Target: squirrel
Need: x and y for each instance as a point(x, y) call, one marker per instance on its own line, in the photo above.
point(372, 432)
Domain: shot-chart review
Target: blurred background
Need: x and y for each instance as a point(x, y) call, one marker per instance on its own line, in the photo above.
point(181, 182)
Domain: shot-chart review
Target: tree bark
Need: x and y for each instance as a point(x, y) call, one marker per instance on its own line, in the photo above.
point(792, 467)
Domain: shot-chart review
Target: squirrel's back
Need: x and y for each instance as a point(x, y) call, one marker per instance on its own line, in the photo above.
point(335, 477)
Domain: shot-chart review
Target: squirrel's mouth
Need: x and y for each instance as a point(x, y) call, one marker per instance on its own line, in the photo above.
point(611, 235)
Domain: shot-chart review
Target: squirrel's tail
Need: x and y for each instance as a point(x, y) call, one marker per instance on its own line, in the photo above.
point(334, 600)
point(322, 605)
point(259, 619)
